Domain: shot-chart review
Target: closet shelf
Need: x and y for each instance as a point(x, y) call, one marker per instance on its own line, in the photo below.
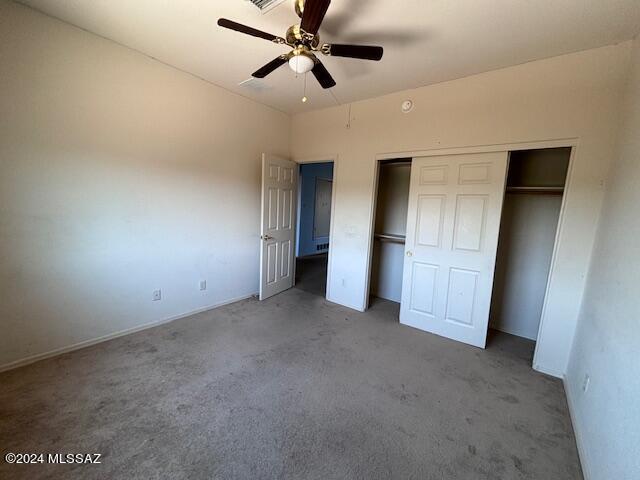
point(537, 190)
point(389, 237)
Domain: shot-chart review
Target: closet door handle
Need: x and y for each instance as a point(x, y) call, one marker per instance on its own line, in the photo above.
point(409, 253)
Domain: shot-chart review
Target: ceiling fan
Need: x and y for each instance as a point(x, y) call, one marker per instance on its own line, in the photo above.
point(304, 41)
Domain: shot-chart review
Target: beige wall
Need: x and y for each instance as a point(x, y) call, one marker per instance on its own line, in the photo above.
point(607, 342)
point(118, 176)
point(573, 96)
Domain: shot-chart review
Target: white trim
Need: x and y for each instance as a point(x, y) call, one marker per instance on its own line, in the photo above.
point(333, 157)
point(582, 451)
point(87, 343)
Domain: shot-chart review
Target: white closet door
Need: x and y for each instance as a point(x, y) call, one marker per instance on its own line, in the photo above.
point(453, 220)
point(278, 228)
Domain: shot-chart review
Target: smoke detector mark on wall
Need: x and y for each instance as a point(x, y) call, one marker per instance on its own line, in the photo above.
point(406, 106)
point(265, 5)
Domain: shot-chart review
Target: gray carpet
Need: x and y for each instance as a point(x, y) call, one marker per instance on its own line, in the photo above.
point(293, 388)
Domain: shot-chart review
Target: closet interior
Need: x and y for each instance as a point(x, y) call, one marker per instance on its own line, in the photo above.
point(528, 226)
point(390, 228)
point(530, 215)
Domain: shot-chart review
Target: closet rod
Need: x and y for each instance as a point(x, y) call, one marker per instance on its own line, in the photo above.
point(536, 190)
point(389, 237)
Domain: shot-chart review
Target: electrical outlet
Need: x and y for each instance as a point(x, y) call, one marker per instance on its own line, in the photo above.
point(586, 382)
point(203, 284)
point(157, 295)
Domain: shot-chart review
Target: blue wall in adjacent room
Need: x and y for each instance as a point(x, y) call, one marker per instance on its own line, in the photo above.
point(306, 244)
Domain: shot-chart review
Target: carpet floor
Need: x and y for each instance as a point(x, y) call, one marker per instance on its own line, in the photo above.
point(294, 388)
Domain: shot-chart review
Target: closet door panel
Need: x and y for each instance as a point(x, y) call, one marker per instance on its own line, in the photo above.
point(430, 218)
point(423, 292)
point(469, 222)
point(452, 235)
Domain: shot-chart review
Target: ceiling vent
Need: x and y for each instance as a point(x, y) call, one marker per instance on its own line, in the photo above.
point(266, 5)
point(254, 84)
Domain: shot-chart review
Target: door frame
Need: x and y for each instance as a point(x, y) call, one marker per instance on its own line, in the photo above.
point(572, 142)
point(332, 157)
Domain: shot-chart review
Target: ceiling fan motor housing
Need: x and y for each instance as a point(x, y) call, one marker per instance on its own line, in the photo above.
point(296, 36)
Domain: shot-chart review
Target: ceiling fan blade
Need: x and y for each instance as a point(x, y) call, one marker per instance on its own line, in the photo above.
point(364, 52)
point(313, 14)
point(238, 27)
point(270, 67)
point(322, 75)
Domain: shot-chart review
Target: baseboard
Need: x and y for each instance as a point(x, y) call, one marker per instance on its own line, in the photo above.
point(582, 452)
point(87, 343)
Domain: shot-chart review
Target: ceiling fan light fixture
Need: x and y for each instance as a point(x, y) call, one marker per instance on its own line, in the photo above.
point(301, 63)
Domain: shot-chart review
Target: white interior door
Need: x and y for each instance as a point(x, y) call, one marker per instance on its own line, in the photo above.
point(455, 202)
point(278, 227)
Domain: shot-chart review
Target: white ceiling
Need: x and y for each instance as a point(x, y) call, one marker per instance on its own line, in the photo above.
point(425, 41)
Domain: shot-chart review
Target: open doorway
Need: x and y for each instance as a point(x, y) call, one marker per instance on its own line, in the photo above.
point(313, 226)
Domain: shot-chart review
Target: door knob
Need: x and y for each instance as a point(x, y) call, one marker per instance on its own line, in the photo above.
point(266, 237)
point(409, 253)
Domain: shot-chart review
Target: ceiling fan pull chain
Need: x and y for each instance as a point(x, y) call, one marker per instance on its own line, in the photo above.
point(304, 91)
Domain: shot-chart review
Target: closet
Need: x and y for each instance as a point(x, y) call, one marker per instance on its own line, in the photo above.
point(390, 228)
point(528, 225)
point(528, 222)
